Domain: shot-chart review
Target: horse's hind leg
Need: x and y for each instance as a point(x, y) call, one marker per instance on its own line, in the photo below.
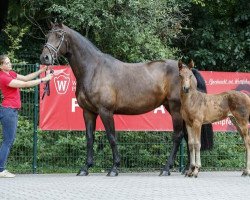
point(242, 127)
point(246, 136)
point(108, 122)
point(247, 144)
point(90, 124)
point(177, 137)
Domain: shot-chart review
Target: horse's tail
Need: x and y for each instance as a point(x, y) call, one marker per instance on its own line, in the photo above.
point(207, 134)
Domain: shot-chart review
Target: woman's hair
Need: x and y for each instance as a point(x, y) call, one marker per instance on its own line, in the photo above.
point(2, 58)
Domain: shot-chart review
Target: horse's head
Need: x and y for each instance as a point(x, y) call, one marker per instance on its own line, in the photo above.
point(56, 44)
point(186, 75)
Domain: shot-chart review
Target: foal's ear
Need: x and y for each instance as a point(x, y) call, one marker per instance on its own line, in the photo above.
point(50, 24)
point(191, 64)
point(60, 24)
point(180, 64)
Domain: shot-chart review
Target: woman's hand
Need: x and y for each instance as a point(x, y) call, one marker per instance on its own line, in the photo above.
point(47, 78)
point(44, 69)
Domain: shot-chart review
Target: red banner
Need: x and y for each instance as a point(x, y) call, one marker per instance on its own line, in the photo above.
point(60, 110)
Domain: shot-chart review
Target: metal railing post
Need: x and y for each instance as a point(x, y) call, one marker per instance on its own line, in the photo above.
point(35, 126)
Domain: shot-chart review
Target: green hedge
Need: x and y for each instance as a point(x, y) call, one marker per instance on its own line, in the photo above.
point(140, 151)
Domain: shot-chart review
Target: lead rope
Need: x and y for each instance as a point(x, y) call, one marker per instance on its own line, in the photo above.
point(46, 89)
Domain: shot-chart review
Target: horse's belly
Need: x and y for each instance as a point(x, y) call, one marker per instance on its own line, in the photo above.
point(136, 109)
point(132, 111)
point(84, 103)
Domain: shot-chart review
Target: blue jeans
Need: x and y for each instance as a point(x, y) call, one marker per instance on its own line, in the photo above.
point(8, 118)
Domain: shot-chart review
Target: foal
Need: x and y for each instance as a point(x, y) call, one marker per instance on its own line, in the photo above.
point(198, 108)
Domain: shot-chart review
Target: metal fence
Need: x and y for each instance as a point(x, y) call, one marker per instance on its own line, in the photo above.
point(37, 151)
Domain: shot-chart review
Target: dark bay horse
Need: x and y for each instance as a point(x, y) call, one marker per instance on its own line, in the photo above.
point(107, 86)
point(198, 108)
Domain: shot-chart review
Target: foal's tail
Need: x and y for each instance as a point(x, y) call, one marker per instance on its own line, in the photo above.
point(207, 134)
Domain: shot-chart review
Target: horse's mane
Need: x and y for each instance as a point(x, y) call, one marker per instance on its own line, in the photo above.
point(201, 84)
point(89, 45)
point(86, 41)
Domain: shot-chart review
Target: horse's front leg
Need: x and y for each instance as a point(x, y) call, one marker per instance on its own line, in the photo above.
point(185, 169)
point(177, 137)
point(191, 142)
point(108, 122)
point(90, 124)
point(197, 146)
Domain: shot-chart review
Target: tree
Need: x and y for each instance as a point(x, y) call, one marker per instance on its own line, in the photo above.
point(3, 13)
point(130, 30)
point(220, 39)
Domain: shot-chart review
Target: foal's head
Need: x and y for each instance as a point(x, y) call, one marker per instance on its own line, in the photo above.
point(187, 77)
point(56, 44)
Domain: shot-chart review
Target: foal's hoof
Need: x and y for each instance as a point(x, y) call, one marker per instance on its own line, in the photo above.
point(83, 172)
point(245, 173)
point(189, 174)
point(113, 173)
point(164, 173)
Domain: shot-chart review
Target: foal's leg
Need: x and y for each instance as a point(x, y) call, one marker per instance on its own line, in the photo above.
point(108, 122)
point(246, 137)
point(174, 110)
point(197, 146)
point(242, 127)
point(194, 143)
point(191, 146)
point(185, 169)
point(90, 123)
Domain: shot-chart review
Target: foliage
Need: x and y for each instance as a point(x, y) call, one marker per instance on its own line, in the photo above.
point(129, 30)
point(60, 151)
point(14, 39)
point(220, 39)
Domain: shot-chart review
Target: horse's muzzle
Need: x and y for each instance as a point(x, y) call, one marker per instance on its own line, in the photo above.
point(185, 89)
point(46, 59)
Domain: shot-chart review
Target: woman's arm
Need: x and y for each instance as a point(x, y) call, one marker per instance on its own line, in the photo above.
point(31, 76)
point(15, 83)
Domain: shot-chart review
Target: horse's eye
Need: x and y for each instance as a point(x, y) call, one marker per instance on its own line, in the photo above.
point(59, 36)
point(190, 76)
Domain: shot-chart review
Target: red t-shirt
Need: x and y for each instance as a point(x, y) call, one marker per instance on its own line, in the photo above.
point(11, 96)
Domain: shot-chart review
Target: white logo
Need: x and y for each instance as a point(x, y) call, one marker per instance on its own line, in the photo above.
point(62, 83)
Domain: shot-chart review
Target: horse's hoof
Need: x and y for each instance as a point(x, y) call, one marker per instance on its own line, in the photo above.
point(245, 173)
point(164, 173)
point(189, 174)
point(196, 172)
point(113, 173)
point(83, 173)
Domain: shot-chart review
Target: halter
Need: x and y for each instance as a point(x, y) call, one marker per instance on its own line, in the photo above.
point(51, 48)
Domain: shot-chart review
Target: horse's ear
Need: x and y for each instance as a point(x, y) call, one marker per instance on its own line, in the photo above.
point(60, 24)
point(50, 24)
point(191, 64)
point(180, 64)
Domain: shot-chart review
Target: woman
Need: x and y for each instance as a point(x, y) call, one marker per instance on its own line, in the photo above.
point(10, 82)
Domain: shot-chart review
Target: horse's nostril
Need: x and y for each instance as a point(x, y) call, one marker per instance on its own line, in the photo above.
point(46, 57)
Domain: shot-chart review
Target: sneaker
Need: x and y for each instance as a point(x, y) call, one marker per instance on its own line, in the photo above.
point(6, 174)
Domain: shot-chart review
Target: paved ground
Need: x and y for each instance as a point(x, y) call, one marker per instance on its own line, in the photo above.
point(141, 186)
